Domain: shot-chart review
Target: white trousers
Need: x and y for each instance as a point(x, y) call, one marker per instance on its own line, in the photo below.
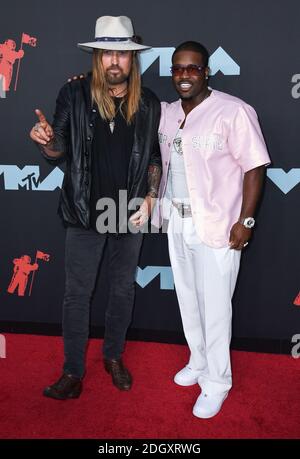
point(205, 280)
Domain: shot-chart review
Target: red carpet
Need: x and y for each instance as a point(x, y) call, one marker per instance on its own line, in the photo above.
point(264, 403)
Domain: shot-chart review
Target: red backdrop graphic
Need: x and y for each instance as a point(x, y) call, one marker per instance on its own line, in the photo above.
point(8, 57)
point(297, 300)
point(22, 270)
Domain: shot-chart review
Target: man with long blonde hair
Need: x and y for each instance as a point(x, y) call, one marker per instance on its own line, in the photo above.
point(105, 126)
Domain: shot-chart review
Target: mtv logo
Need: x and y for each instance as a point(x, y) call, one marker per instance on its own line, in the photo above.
point(219, 61)
point(285, 181)
point(146, 275)
point(28, 178)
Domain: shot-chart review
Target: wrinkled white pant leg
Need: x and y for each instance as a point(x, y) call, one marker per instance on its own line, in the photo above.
point(205, 280)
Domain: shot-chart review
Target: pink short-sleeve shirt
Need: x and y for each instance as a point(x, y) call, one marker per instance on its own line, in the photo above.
point(221, 140)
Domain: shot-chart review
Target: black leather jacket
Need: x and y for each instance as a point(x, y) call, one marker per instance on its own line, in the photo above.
point(73, 126)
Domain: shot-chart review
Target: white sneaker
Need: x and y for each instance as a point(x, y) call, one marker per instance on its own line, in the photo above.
point(207, 405)
point(187, 377)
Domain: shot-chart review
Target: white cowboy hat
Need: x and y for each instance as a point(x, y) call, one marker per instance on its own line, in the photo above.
point(115, 33)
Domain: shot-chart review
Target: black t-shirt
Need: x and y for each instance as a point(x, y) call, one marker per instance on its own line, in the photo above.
point(111, 153)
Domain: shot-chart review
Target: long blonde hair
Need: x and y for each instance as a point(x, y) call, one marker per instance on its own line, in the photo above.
point(102, 97)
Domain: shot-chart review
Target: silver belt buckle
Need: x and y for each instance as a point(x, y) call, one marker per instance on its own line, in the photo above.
point(180, 209)
point(184, 210)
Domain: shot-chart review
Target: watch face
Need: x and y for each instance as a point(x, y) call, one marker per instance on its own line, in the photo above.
point(249, 222)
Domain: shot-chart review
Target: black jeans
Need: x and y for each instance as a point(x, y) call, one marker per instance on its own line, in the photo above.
point(84, 251)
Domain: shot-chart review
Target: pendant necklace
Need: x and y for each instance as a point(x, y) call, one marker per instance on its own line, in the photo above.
point(112, 121)
point(112, 125)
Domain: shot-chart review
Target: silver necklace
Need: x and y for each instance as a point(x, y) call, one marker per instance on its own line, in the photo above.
point(112, 125)
point(177, 142)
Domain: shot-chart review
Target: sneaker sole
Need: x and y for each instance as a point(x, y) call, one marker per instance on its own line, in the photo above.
point(210, 415)
point(185, 384)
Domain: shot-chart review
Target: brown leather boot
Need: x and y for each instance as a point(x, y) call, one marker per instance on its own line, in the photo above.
point(67, 386)
point(121, 377)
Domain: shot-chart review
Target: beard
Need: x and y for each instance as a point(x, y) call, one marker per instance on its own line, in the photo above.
point(117, 78)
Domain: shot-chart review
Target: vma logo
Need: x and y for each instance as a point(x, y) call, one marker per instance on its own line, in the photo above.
point(219, 61)
point(146, 275)
point(285, 181)
point(28, 178)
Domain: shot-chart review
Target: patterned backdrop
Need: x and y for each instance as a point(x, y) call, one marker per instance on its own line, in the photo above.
point(254, 50)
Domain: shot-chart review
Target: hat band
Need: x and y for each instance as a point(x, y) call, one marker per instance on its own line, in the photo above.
point(113, 39)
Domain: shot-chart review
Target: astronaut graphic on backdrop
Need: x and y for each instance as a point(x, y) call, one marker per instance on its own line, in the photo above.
point(22, 270)
point(8, 56)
